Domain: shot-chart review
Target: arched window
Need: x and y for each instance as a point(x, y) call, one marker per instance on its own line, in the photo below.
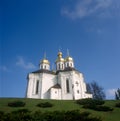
point(37, 86)
point(45, 66)
point(67, 64)
point(59, 66)
point(41, 66)
point(67, 86)
point(78, 91)
point(62, 66)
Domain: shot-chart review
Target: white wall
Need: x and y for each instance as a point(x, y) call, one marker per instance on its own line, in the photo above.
point(77, 86)
point(62, 81)
point(55, 93)
point(30, 87)
point(48, 80)
point(77, 91)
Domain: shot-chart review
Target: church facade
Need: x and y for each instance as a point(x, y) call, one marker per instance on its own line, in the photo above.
point(65, 83)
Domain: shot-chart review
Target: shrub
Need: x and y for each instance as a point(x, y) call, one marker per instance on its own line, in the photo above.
point(88, 106)
point(90, 101)
point(21, 111)
point(16, 104)
point(19, 115)
point(73, 115)
point(117, 105)
point(103, 108)
point(25, 115)
point(83, 101)
point(45, 105)
point(1, 116)
point(98, 107)
point(94, 104)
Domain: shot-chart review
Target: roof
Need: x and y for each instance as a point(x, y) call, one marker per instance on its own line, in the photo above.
point(55, 73)
point(56, 86)
point(44, 71)
point(67, 69)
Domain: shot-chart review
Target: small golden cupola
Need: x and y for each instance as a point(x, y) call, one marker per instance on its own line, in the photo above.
point(44, 63)
point(59, 61)
point(69, 62)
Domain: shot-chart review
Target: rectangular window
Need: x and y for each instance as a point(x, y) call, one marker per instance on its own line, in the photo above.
point(78, 91)
point(67, 64)
point(45, 66)
point(67, 86)
point(41, 66)
point(37, 86)
point(62, 66)
point(59, 66)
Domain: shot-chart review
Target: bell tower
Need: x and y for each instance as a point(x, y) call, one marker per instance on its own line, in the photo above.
point(59, 62)
point(69, 62)
point(44, 63)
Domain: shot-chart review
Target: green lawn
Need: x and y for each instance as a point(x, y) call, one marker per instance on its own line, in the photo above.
point(62, 105)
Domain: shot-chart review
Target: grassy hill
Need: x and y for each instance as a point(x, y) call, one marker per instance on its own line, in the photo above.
point(63, 105)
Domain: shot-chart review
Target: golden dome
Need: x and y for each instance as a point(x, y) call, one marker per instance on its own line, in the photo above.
point(45, 61)
point(60, 59)
point(60, 54)
point(69, 58)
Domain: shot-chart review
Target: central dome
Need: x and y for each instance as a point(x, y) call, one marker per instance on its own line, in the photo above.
point(59, 59)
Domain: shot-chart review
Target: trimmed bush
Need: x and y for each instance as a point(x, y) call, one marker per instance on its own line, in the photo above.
point(19, 115)
point(21, 111)
point(1, 113)
point(103, 108)
point(117, 105)
point(88, 106)
point(16, 104)
point(2, 116)
point(90, 101)
point(25, 115)
point(73, 115)
point(45, 105)
point(94, 104)
point(98, 107)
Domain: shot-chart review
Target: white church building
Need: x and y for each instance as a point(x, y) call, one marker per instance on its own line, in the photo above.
point(64, 83)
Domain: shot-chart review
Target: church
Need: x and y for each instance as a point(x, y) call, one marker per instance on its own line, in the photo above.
point(64, 83)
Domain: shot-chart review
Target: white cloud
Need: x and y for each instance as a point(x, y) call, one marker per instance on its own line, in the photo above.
point(26, 65)
point(4, 68)
point(110, 93)
point(84, 8)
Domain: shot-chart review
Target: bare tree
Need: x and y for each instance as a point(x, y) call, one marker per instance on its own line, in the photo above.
point(96, 90)
point(117, 94)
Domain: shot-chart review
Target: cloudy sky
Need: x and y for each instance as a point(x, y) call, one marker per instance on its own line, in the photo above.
point(90, 29)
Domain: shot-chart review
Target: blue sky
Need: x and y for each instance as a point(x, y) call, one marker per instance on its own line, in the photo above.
point(90, 29)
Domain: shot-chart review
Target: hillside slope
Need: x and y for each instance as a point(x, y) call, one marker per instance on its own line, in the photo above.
point(64, 105)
